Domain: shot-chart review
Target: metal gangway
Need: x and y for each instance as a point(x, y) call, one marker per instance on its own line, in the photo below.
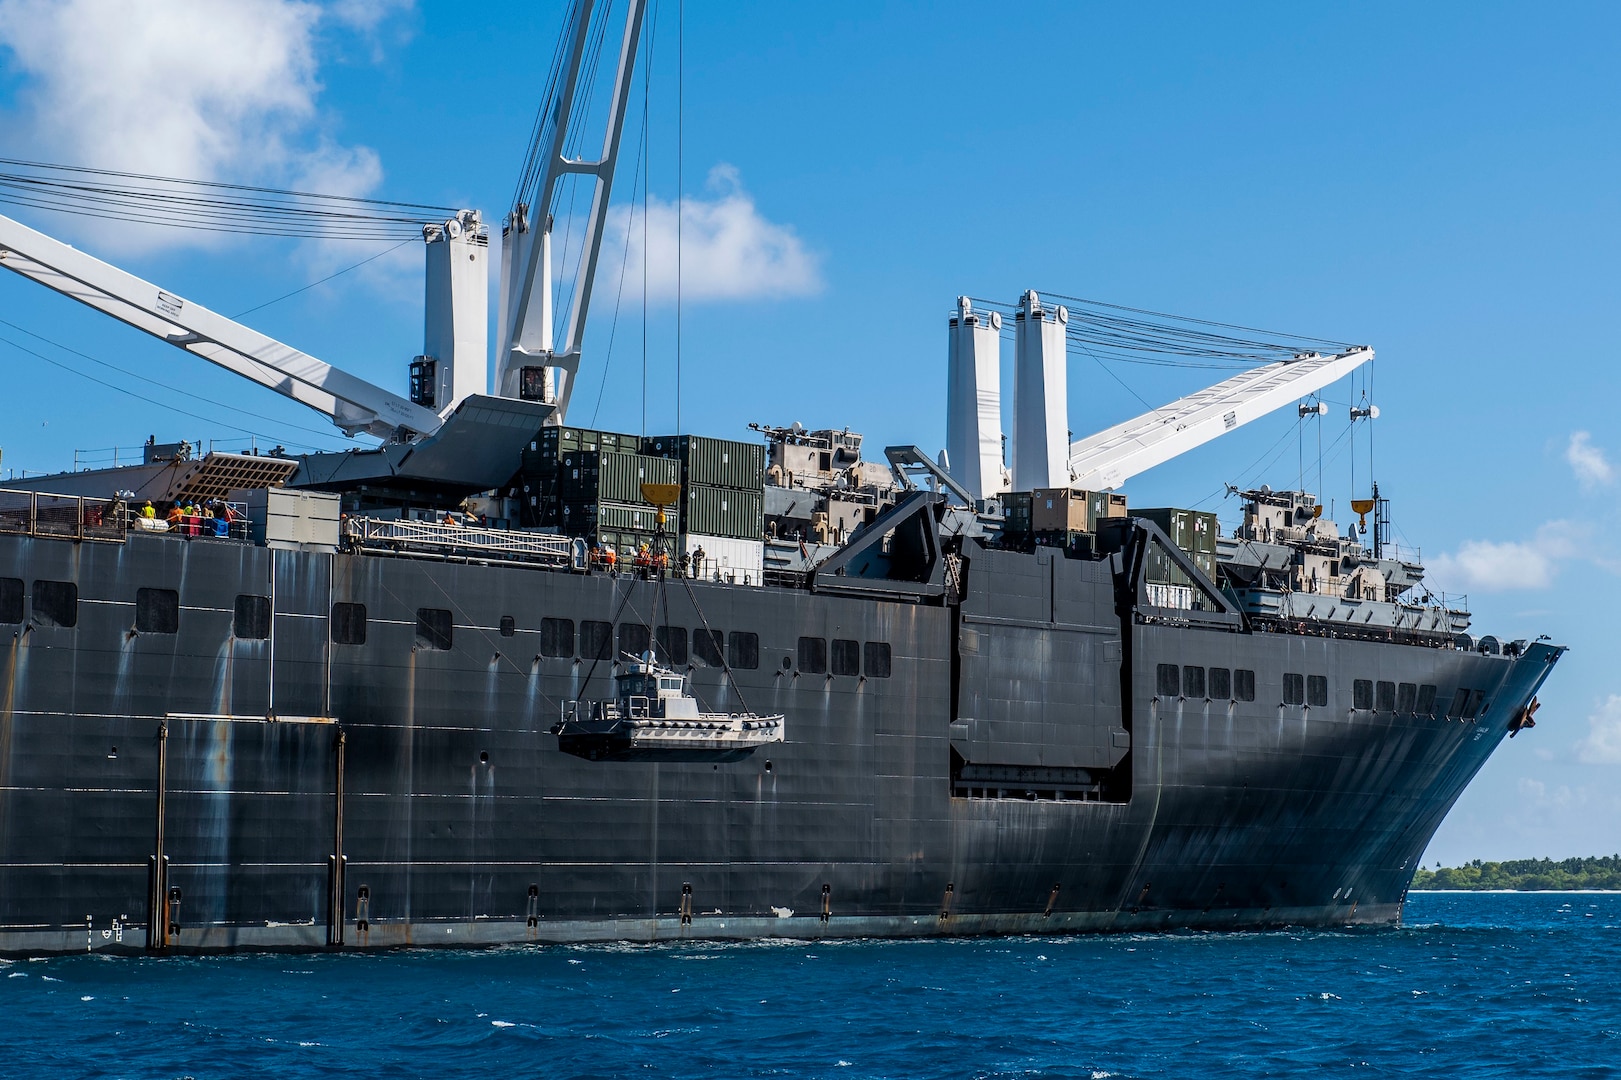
point(396, 536)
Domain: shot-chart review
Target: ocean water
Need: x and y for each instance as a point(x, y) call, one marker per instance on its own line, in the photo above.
point(1521, 985)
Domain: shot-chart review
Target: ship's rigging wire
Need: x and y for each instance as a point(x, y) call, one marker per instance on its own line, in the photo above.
point(143, 397)
point(209, 205)
point(563, 202)
point(1251, 469)
point(286, 426)
point(1252, 473)
point(1317, 423)
point(1077, 300)
point(1113, 375)
point(595, 660)
point(1300, 451)
point(323, 281)
point(647, 151)
point(1139, 336)
point(724, 664)
point(540, 135)
point(584, 94)
point(624, 264)
point(680, 174)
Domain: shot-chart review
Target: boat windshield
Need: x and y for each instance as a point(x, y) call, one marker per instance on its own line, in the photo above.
point(638, 684)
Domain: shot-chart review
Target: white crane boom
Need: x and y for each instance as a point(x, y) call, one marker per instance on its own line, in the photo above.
point(351, 403)
point(526, 284)
point(1104, 461)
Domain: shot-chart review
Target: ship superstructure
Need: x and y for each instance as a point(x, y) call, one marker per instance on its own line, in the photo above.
point(505, 679)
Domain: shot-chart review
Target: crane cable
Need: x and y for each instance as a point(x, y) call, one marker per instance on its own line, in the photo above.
point(209, 205)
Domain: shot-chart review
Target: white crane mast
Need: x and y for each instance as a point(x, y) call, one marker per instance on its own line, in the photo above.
point(529, 363)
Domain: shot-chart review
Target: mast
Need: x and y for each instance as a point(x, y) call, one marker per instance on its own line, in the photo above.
point(530, 365)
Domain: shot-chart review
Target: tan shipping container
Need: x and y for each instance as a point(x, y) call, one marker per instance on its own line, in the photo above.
point(1058, 510)
point(1072, 509)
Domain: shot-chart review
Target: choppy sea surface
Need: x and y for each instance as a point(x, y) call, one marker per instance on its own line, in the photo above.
point(1522, 985)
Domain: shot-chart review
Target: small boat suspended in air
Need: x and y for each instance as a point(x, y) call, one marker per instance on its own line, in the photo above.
point(652, 717)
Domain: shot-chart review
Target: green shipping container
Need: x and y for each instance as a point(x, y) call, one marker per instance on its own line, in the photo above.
point(626, 543)
point(551, 444)
point(585, 519)
point(708, 462)
point(608, 476)
point(1070, 540)
point(1190, 530)
point(1016, 512)
point(718, 511)
point(1158, 568)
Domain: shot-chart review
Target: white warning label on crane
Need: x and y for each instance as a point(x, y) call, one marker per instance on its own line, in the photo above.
point(169, 305)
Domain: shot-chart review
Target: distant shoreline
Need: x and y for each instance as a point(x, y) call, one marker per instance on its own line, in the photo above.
point(1600, 873)
point(1545, 892)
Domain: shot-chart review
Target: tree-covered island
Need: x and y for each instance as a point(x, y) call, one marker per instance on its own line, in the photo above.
point(1526, 875)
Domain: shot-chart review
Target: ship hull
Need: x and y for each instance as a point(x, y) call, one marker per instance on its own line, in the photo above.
point(198, 791)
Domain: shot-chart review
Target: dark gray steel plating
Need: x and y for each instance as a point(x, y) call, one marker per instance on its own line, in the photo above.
point(1016, 770)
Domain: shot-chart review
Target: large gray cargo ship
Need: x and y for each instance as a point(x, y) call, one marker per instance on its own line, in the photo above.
point(504, 680)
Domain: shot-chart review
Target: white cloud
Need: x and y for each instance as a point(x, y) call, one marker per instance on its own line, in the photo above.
point(1602, 744)
point(1489, 565)
point(728, 250)
point(1588, 462)
point(1493, 566)
point(366, 14)
point(187, 88)
point(1538, 794)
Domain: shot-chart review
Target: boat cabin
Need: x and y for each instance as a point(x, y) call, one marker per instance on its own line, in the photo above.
point(645, 689)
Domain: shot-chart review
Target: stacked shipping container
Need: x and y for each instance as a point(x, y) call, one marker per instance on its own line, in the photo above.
point(1194, 532)
point(1058, 517)
point(600, 492)
point(722, 503)
point(588, 483)
point(1068, 518)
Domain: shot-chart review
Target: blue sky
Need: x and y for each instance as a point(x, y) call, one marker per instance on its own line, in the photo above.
point(1435, 180)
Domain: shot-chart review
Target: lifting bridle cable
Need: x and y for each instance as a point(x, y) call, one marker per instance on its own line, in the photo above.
point(210, 205)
